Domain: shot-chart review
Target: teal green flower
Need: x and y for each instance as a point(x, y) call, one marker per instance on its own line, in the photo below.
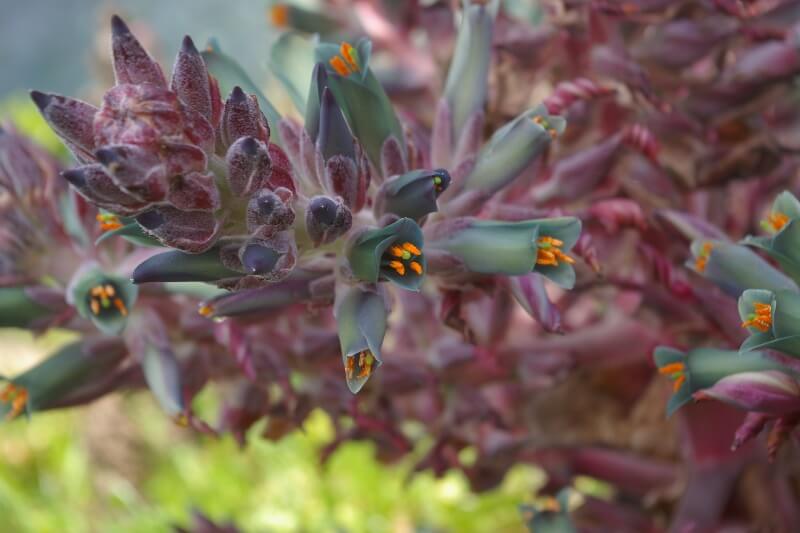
point(51, 382)
point(512, 148)
point(784, 243)
point(511, 248)
point(361, 315)
point(701, 368)
point(773, 320)
point(735, 268)
point(412, 194)
point(468, 76)
point(360, 96)
point(19, 307)
point(392, 253)
point(552, 514)
point(104, 299)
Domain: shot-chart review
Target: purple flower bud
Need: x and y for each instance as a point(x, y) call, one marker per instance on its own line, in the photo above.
point(194, 191)
point(148, 115)
point(344, 178)
point(71, 119)
point(249, 166)
point(271, 257)
point(242, 117)
point(193, 85)
point(189, 231)
point(327, 220)
point(132, 63)
point(393, 160)
point(272, 209)
point(94, 184)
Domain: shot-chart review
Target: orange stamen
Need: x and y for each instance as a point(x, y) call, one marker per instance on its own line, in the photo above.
point(761, 319)
point(776, 221)
point(702, 257)
point(416, 267)
point(120, 305)
point(108, 222)
point(348, 52)
point(18, 396)
point(398, 267)
point(678, 382)
point(95, 305)
point(549, 252)
point(205, 310)
point(672, 368)
point(411, 248)
point(396, 251)
point(279, 15)
point(340, 66)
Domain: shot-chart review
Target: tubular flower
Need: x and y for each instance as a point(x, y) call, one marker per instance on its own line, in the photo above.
point(510, 248)
point(413, 194)
point(361, 315)
point(734, 268)
point(782, 244)
point(74, 369)
point(393, 253)
point(512, 148)
point(771, 318)
point(362, 100)
point(102, 298)
point(700, 368)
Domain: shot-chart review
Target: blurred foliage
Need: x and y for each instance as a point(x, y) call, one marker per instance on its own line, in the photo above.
point(106, 469)
point(22, 112)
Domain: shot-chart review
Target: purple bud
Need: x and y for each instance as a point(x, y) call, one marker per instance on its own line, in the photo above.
point(94, 184)
point(393, 161)
point(271, 257)
point(132, 63)
point(327, 220)
point(343, 178)
point(135, 170)
point(242, 117)
point(249, 166)
point(192, 83)
point(195, 191)
point(72, 120)
point(271, 209)
point(189, 231)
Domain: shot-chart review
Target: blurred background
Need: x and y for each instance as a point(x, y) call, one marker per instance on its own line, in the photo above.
point(120, 465)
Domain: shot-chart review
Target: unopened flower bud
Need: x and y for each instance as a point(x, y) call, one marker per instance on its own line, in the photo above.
point(242, 117)
point(327, 220)
point(249, 165)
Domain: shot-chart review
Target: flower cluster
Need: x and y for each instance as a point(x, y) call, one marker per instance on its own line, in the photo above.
point(414, 217)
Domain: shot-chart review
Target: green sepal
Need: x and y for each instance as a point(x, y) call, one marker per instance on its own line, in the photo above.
point(412, 194)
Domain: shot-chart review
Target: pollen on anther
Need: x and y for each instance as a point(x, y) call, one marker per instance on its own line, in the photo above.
point(411, 248)
point(340, 66)
point(416, 267)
